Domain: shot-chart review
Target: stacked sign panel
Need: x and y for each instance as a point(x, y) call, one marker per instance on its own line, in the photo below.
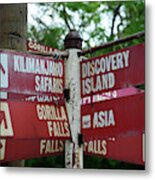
point(33, 46)
point(120, 116)
point(32, 108)
point(116, 70)
point(129, 149)
point(17, 149)
point(29, 74)
point(33, 120)
point(113, 127)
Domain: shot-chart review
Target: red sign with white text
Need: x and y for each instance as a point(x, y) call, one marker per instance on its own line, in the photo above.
point(18, 149)
point(117, 117)
point(33, 120)
point(31, 98)
point(116, 70)
point(130, 148)
point(36, 47)
point(111, 95)
point(30, 74)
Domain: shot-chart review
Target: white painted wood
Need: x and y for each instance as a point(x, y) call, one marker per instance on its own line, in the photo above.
point(72, 82)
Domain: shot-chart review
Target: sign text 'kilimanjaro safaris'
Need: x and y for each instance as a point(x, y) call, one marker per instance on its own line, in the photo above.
point(29, 74)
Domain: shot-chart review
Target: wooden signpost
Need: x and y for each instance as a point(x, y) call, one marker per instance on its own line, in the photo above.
point(34, 114)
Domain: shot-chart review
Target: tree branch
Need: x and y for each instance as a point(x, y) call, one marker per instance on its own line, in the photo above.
point(118, 26)
point(65, 17)
point(116, 12)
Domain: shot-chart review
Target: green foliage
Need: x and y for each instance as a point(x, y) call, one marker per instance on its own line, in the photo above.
point(53, 162)
point(91, 162)
point(135, 15)
point(97, 22)
point(49, 37)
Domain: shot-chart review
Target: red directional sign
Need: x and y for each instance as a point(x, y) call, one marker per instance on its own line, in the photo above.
point(114, 129)
point(36, 47)
point(30, 74)
point(117, 117)
point(128, 148)
point(112, 71)
point(33, 120)
point(18, 149)
point(110, 95)
point(31, 98)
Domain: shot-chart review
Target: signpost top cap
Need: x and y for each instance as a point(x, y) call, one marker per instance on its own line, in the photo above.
point(73, 40)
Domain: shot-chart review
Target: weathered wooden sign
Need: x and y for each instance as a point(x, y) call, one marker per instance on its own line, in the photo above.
point(115, 128)
point(130, 148)
point(17, 149)
point(30, 74)
point(110, 95)
point(32, 120)
point(112, 71)
point(36, 47)
point(120, 116)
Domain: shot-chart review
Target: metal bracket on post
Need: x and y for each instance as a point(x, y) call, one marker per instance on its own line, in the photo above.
point(80, 139)
point(67, 94)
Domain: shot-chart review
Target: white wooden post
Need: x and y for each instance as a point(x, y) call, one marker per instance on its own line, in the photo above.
point(73, 150)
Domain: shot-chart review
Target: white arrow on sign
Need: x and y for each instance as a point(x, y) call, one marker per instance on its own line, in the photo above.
point(5, 121)
point(2, 148)
point(3, 70)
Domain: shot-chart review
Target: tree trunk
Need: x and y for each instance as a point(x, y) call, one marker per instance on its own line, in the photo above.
point(13, 29)
point(13, 26)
